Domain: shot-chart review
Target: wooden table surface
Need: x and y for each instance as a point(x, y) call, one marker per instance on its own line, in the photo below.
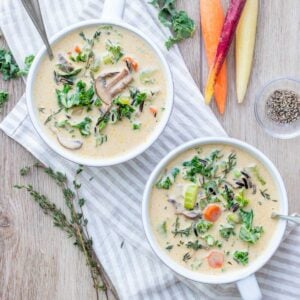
point(38, 262)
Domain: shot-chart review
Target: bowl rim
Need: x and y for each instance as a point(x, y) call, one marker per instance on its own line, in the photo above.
point(169, 101)
point(258, 98)
point(230, 276)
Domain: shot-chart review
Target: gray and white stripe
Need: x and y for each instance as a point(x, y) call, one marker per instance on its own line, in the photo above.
point(114, 210)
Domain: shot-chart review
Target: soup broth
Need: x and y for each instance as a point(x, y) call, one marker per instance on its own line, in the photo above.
point(103, 94)
point(210, 210)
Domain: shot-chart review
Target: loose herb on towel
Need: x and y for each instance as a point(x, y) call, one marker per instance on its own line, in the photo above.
point(181, 25)
point(75, 225)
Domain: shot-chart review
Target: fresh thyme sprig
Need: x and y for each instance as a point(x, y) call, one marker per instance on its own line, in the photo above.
point(75, 226)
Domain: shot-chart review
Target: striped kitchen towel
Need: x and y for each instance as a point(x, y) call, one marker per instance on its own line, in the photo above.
point(114, 210)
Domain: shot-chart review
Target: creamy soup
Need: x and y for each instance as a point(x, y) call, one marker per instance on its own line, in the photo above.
point(103, 94)
point(211, 209)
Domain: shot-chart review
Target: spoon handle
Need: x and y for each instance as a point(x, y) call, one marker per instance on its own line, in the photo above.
point(38, 22)
point(295, 219)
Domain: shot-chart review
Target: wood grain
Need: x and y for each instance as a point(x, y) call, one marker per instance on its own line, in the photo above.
point(38, 262)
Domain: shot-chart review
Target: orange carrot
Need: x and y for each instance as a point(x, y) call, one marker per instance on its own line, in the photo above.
point(229, 27)
point(132, 62)
point(215, 259)
point(77, 49)
point(153, 110)
point(212, 20)
point(212, 212)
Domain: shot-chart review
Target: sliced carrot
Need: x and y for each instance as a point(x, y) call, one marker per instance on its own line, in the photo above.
point(215, 259)
point(77, 49)
point(229, 27)
point(212, 20)
point(133, 62)
point(69, 52)
point(212, 212)
point(153, 110)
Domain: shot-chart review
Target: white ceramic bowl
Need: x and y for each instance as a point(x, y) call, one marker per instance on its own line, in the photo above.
point(113, 11)
point(243, 277)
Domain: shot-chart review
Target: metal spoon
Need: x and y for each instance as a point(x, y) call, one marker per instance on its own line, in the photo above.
point(295, 219)
point(38, 22)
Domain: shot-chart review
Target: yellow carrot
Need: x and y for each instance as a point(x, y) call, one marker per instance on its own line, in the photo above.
point(245, 42)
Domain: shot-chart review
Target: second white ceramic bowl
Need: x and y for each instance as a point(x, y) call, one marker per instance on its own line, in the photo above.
point(245, 280)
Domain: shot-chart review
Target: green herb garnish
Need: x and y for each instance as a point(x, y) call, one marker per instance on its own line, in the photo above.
point(256, 173)
point(241, 257)
point(167, 180)
point(181, 25)
point(181, 232)
point(3, 98)
point(115, 50)
point(226, 231)
point(265, 194)
point(194, 245)
point(80, 97)
point(203, 226)
point(241, 199)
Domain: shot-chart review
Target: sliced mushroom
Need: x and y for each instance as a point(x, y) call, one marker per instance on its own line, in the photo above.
point(102, 91)
point(117, 78)
point(108, 73)
point(69, 143)
point(107, 90)
point(190, 214)
point(77, 111)
point(63, 64)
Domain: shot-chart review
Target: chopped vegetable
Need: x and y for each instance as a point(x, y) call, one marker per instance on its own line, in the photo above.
point(136, 126)
point(194, 245)
point(115, 50)
point(241, 199)
point(244, 49)
point(226, 231)
point(247, 232)
point(77, 49)
point(81, 97)
point(250, 235)
point(233, 218)
point(215, 259)
point(211, 241)
point(212, 19)
point(179, 22)
point(190, 195)
point(162, 228)
point(230, 24)
point(131, 63)
point(203, 226)
point(153, 110)
point(146, 76)
point(84, 126)
point(166, 181)
point(241, 257)
point(66, 78)
point(247, 217)
point(256, 173)
point(181, 232)
point(212, 212)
